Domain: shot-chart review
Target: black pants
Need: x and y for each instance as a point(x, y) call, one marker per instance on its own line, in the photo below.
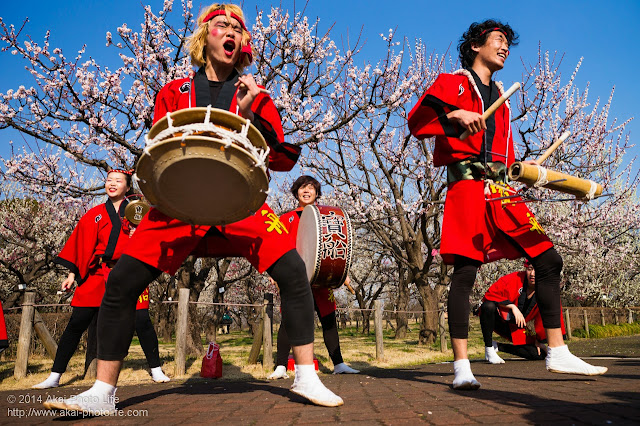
point(490, 321)
point(329, 333)
point(129, 277)
point(547, 265)
point(79, 322)
point(147, 337)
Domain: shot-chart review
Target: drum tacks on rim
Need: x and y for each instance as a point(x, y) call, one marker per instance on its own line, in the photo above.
point(325, 241)
point(204, 166)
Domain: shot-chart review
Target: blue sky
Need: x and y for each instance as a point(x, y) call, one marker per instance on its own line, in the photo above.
point(601, 32)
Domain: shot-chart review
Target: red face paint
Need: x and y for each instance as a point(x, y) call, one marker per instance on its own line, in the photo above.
point(214, 32)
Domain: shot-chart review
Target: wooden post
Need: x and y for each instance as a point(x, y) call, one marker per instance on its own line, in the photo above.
point(45, 336)
point(182, 320)
point(567, 323)
point(586, 322)
point(24, 338)
point(257, 341)
point(602, 320)
point(267, 335)
point(378, 326)
point(615, 317)
point(630, 316)
point(441, 329)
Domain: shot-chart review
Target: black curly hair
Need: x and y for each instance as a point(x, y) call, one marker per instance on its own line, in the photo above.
point(305, 180)
point(477, 34)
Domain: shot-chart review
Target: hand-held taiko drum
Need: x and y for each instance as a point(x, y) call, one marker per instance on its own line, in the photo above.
point(204, 166)
point(136, 209)
point(325, 244)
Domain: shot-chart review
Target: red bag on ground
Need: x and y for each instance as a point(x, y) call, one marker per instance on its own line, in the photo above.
point(212, 362)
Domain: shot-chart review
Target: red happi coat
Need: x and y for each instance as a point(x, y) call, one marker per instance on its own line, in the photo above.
point(472, 226)
point(323, 297)
point(98, 238)
point(164, 242)
point(508, 290)
point(459, 91)
point(4, 343)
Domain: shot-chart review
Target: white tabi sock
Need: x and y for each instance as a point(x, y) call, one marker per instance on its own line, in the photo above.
point(308, 385)
point(463, 377)
point(53, 381)
point(491, 356)
point(561, 360)
point(158, 375)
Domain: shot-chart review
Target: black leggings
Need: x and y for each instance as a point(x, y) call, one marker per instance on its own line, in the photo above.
point(129, 277)
point(529, 352)
point(547, 265)
point(490, 321)
point(147, 337)
point(80, 321)
point(329, 333)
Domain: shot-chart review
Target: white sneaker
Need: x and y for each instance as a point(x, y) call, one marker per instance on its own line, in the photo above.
point(491, 356)
point(158, 375)
point(87, 402)
point(53, 381)
point(560, 360)
point(279, 373)
point(307, 384)
point(463, 377)
point(343, 368)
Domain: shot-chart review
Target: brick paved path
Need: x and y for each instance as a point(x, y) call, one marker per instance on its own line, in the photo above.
point(515, 392)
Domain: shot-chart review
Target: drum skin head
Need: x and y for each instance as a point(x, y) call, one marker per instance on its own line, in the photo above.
point(324, 242)
point(200, 181)
point(136, 210)
point(219, 117)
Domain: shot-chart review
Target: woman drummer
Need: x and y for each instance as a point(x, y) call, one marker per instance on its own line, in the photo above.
point(93, 248)
point(307, 190)
point(221, 47)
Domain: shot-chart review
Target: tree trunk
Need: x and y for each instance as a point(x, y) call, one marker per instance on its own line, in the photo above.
point(365, 322)
point(429, 302)
point(402, 303)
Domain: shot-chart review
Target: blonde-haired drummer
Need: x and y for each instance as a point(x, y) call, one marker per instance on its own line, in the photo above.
point(161, 243)
point(197, 43)
point(306, 189)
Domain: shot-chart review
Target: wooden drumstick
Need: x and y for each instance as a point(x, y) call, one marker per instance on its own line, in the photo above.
point(553, 147)
point(244, 87)
point(346, 283)
point(489, 112)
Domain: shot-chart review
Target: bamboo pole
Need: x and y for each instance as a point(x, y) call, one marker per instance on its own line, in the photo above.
point(529, 174)
point(181, 331)
point(24, 338)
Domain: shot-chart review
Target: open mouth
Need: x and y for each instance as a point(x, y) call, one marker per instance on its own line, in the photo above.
point(229, 47)
point(502, 55)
